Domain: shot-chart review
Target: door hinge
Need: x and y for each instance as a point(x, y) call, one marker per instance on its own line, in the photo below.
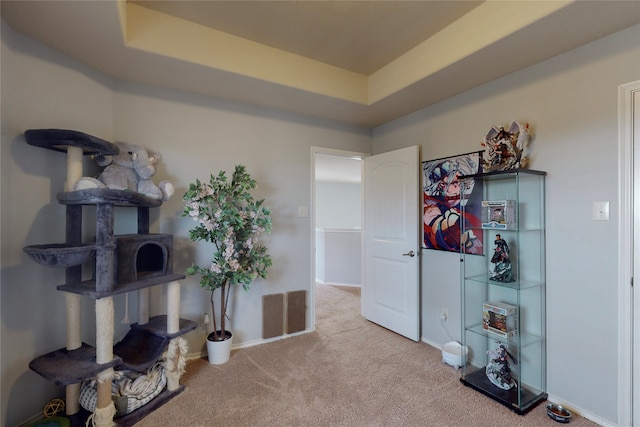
point(632, 282)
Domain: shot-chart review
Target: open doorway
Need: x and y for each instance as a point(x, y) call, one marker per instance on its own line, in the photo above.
point(337, 220)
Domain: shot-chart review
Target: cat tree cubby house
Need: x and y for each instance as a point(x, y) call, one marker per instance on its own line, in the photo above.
point(121, 264)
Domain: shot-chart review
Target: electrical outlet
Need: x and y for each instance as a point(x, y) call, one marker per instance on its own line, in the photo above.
point(205, 318)
point(444, 314)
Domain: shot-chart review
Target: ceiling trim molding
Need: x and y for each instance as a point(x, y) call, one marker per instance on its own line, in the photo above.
point(460, 40)
point(173, 37)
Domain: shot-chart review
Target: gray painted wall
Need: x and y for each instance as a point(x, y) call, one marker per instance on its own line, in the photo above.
point(338, 205)
point(196, 136)
point(571, 103)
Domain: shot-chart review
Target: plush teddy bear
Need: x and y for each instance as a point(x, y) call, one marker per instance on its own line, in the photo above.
point(132, 170)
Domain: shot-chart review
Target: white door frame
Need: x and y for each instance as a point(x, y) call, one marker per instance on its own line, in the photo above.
point(626, 262)
point(333, 152)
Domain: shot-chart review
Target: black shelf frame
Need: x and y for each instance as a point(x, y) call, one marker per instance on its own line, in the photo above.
point(478, 381)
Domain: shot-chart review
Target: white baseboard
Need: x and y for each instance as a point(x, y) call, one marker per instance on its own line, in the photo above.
point(322, 282)
point(246, 344)
point(432, 343)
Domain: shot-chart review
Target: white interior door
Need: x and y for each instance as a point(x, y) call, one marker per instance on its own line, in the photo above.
point(391, 291)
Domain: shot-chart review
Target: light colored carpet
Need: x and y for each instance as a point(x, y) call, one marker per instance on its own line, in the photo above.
point(349, 372)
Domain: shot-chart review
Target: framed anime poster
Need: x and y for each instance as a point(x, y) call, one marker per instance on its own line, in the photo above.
point(443, 213)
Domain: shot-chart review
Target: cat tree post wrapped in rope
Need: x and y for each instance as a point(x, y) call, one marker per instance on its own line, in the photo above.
point(72, 301)
point(175, 359)
point(105, 244)
point(72, 391)
point(104, 354)
point(74, 167)
point(143, 306)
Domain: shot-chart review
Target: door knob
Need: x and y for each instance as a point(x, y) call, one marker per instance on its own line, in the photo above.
point(410, 253)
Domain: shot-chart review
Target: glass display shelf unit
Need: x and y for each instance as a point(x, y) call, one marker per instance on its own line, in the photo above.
point(503, 287)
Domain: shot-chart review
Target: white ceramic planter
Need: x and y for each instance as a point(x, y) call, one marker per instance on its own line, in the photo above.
point(219, 351)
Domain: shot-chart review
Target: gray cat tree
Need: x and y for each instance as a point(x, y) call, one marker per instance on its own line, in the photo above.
point(121, 264)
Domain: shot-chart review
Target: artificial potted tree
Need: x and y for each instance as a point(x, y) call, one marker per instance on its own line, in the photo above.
point(230, 218)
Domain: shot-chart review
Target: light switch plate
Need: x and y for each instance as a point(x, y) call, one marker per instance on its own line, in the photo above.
point(601, 211)
point(303, 211)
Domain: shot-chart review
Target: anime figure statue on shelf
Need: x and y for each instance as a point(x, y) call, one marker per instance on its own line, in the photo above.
point(506, 148)
point(498, 370)
point(502, 270)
